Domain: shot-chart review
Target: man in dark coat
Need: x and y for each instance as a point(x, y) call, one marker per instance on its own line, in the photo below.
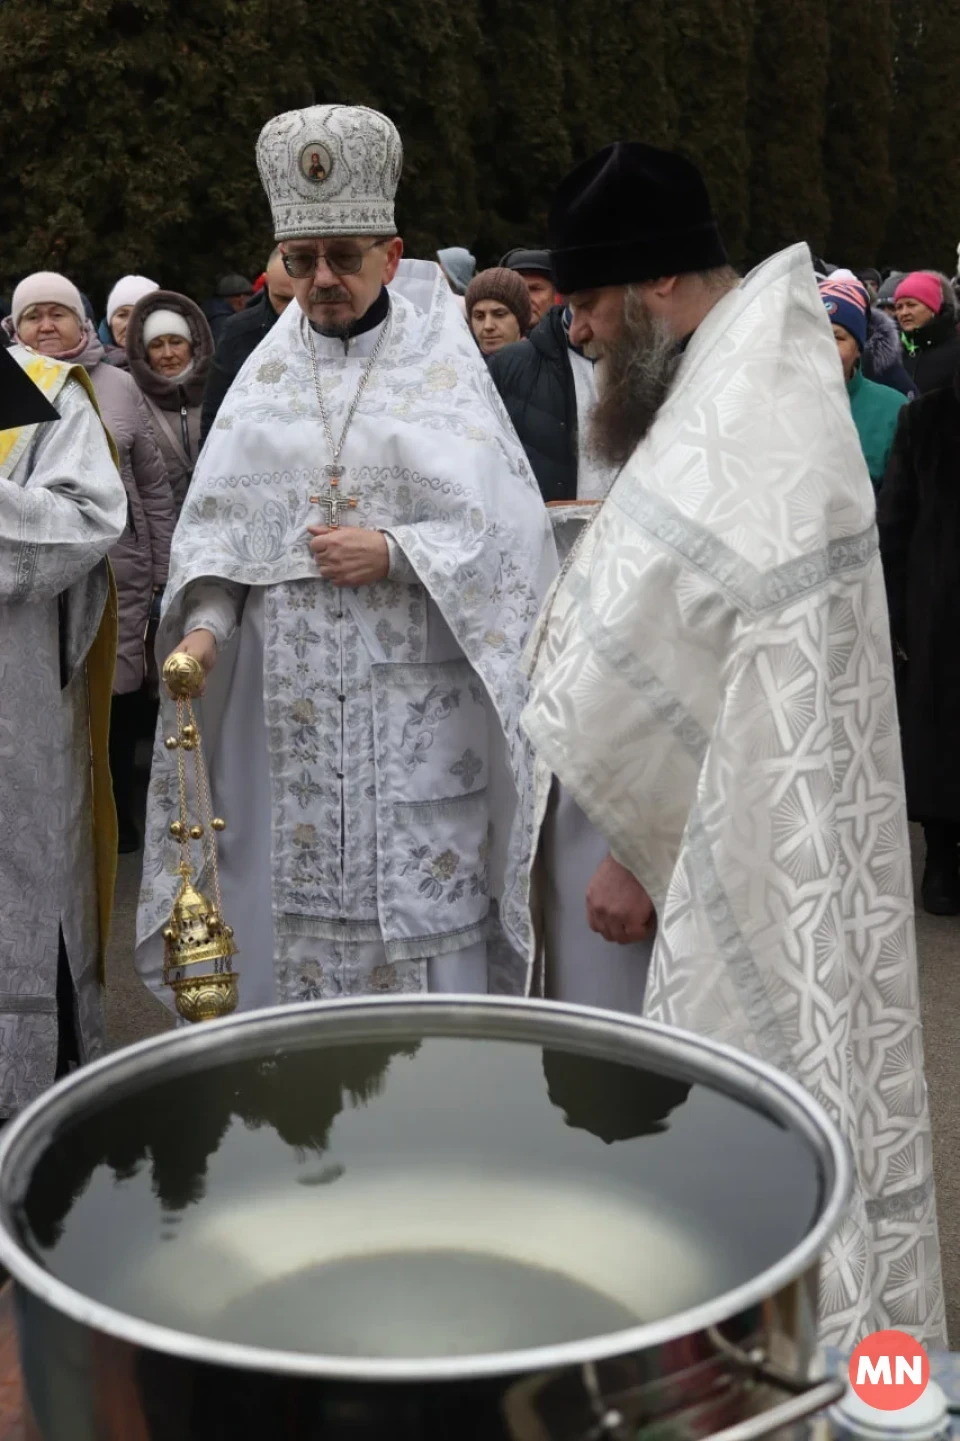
point(242, 334)
point(927, 316)
point(535, 380)
point(918, 512)
point(233, 294)
point(533, 267)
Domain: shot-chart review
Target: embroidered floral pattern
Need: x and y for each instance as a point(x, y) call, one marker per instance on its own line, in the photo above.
point(310, 983)
point(441, 377)
point(271, 372)
point(301, 638)
point(423, 718)
point(444, 866)
point(467, 769)
point(438, 875)
point(389, 637)
point(305, 789)
point(386, 593)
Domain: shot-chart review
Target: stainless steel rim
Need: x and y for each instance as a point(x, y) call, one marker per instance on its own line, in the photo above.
point(605, 1033)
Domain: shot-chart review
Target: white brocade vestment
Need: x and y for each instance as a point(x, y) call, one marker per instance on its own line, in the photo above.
point(713, 684)
point(62, 506)
point(364, 744)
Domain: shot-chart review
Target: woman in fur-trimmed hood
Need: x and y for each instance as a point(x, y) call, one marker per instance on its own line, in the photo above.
point(882, 356)
point(170, 350)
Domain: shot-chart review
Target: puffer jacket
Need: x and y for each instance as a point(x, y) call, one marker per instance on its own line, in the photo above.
point(882, 355)
point(535, 381)
point(141, 556)
point(175, 404)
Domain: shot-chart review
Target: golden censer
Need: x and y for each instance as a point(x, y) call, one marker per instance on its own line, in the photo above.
point(198, 945)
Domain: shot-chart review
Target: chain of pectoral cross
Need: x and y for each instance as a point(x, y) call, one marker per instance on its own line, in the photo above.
point(333, 501)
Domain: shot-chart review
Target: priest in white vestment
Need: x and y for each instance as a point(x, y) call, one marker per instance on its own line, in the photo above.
point(712, 682)
point(62, 506)
point(359, 563)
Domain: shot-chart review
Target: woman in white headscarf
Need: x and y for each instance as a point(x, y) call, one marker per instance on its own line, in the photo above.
point(120, 302)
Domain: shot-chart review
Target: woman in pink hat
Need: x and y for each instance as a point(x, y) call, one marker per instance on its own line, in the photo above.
point(926, 308)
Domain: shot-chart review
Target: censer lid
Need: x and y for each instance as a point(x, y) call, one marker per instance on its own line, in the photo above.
point(196, 934)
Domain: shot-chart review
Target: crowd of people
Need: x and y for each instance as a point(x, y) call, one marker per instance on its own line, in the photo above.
point(162, 365)
point(669, 784)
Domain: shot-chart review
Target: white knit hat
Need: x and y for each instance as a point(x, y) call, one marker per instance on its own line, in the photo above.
point(45, 287)
point(165, 322)
point(330, 170)
point(127, 291)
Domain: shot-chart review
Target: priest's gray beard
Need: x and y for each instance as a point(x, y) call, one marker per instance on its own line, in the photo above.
point(634, 374)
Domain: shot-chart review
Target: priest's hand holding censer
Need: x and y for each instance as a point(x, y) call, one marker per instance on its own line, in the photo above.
point(198, 945)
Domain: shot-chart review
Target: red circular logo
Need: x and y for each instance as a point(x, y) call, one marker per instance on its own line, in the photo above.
point(889, 1370)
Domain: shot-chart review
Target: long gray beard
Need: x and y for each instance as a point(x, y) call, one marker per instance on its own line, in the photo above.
point(634, 378)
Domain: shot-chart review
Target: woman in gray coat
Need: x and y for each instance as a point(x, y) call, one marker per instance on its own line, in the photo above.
point(49, 318)
point(170, 350)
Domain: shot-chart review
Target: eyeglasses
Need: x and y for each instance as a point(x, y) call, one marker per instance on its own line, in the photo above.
point(341, 259)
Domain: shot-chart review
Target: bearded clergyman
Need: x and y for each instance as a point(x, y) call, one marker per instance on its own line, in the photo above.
point(712, 684)
point(361, 558)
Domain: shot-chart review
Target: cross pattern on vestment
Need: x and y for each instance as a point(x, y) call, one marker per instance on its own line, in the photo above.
point(333, 501)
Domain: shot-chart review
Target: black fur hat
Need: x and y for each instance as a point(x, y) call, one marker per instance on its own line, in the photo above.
point(631, 213)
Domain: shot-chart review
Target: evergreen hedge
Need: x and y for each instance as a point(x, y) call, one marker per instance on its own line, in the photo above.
point(786, 119)
point(127, 127)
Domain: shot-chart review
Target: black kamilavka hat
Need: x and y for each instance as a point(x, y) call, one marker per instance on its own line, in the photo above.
point(628, 214)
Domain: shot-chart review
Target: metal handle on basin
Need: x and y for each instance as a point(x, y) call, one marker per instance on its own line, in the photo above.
point(805, 1398)
point(806, 1403)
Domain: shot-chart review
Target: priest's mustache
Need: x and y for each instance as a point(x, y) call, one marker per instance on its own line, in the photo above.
point(328, 295)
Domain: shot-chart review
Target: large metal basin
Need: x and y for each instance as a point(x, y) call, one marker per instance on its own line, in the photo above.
point(418, 1218)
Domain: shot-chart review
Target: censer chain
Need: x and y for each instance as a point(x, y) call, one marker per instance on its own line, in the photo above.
point(205, 810)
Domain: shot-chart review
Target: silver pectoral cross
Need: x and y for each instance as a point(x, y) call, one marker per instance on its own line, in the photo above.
point(333, 501)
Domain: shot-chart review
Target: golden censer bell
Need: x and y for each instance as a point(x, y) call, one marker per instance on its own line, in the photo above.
point(198, 945)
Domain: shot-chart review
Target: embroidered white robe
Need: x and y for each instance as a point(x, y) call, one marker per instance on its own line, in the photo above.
point(713, 684)
point(364, 744)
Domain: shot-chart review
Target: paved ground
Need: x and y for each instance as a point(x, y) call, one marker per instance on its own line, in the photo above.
point(132, 1013)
